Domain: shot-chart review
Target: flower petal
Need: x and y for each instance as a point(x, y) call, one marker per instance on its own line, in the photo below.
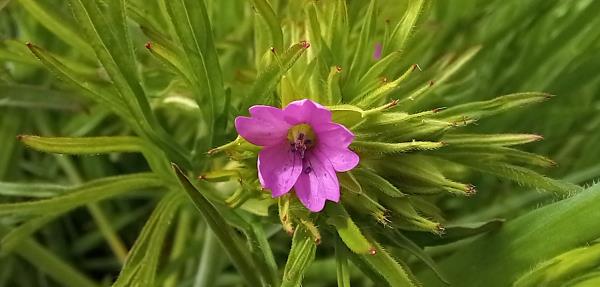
point(313, 188)
point(306, 111)
point(278, 168)
point(342, 159)
point(333, 135)
point(265, 127)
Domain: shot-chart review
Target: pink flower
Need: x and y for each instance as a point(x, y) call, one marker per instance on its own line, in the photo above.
point(377, 52)
point(302, 148)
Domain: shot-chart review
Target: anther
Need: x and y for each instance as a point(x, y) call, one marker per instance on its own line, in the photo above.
point(305, 44)
point(308, 170)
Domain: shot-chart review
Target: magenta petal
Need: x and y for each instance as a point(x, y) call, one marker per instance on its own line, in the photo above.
point(265, 127)
point(342, 159)
point(317, 183)
point(306, 111)
point(278, 168)
point(333, 135)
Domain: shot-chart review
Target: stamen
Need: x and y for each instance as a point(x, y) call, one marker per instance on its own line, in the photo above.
point(301, 139)
point(307, 170)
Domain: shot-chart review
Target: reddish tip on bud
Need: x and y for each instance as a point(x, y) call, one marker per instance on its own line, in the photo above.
point(148, 45)
point(290, 231)
point(437, 110)
point(431, 83)
point(338, 69)
point(417, 67)
point(202, 177)
point(20, 137)
point(372, 251)
point(305, 44)
point(537, 137)
point(440, 229)
point(471, 190)
point(391, 104)
point(548, 96)
point(384, 80)
point(317, 241)
point(272, 49)
point(28, 44)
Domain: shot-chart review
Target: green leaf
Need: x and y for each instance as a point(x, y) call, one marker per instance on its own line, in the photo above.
point(211, 263)
point(172, 60)
point(93, 92)
point(399, 36)
point(112, 47)
point(487, 139)
point(55, 23)
point(385, 267)
point(375, 95)
point(363, 49)
point(482, 109)
point(561, 226)
point(266, 12)
point(447, 71)
point(98, 145)
point(239, 256)
point(89, 192)
point(347, 229)
point(558, 270)
point(21, 189)
point(268, 79)
point(347, 115)
point(378, 68)
point(29, 96)
point(23, 232)
point(300, 257)
point(50, 264)
point(455, 232)
point(11, 121)
point(193, 30)
point(398, 239)
point(526, 177)
point(494, 154)
point(142, 261)
point(342, 266)
point(262, 254)
point(370, 178)
point(83, 145)
point(394, 148)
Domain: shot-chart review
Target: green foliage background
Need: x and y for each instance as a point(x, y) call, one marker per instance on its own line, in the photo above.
point(98, 98)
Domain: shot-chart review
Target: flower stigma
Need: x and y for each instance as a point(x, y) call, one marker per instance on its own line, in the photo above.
point(301, 138)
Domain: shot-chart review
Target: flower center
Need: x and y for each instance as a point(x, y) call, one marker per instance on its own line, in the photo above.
point(301, 138)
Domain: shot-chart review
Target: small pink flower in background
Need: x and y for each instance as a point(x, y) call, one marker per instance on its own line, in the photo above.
point(302, 148)
point(377, 52)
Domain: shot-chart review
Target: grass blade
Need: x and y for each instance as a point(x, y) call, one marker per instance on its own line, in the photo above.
point(226, 235)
